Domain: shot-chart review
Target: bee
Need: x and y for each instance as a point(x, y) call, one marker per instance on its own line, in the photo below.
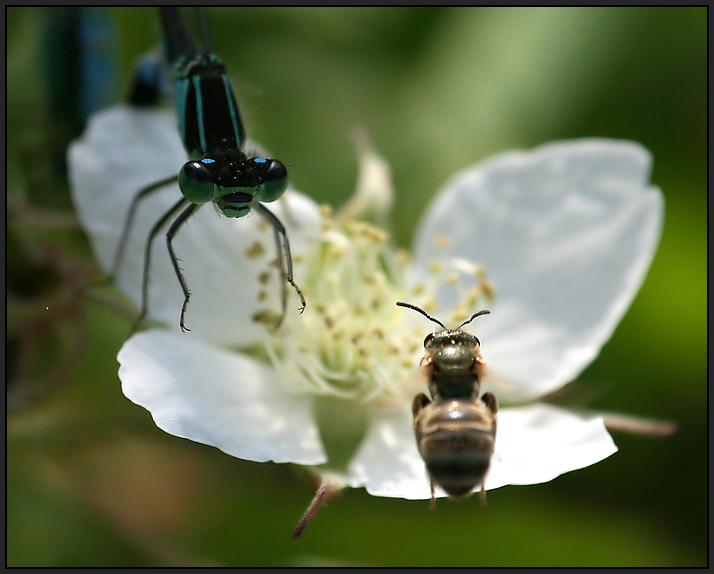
point(456, 429)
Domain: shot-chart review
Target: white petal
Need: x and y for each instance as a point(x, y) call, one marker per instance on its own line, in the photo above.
point(534, 444)
point(388, 462)
point(122, 150)
point(373, 198)
point(214, 397)
point(566, 233)
point(539, 442)
point(125, 149)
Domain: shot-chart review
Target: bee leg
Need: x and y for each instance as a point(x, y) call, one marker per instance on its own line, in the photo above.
point(419, 402)
point(432, 504)
point(490, 401)
point(492, 404)
point(482, 496)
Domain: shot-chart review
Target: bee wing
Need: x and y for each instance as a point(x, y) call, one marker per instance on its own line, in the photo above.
point(502, 387)
point(415, 382)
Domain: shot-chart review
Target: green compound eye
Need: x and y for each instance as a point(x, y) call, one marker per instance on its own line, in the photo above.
point(196, 182)
point(274, 178)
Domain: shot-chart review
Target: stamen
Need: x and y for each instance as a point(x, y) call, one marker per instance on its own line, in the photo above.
point(353, 342)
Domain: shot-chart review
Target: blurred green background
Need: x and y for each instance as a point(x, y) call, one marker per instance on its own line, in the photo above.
point(92, 482)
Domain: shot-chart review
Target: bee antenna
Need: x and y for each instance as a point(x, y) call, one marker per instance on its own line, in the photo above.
point(420, 310)
point(477, 314)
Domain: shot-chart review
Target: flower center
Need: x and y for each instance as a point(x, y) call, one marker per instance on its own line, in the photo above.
point(352, 341)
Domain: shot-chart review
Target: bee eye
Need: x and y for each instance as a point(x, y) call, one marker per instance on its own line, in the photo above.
point(428, 339)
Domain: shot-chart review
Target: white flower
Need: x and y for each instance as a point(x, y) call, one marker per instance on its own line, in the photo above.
point(555, 242)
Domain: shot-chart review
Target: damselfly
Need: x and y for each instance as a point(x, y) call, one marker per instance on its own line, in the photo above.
point(219, 170)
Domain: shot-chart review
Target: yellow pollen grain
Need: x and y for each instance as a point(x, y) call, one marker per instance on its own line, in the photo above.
point(379, 235)
point(441, 241)
point(487, 290)
point(335, 250)
point(255, 250)
point(403, 256)
point(461, 312)
point(358, 309)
